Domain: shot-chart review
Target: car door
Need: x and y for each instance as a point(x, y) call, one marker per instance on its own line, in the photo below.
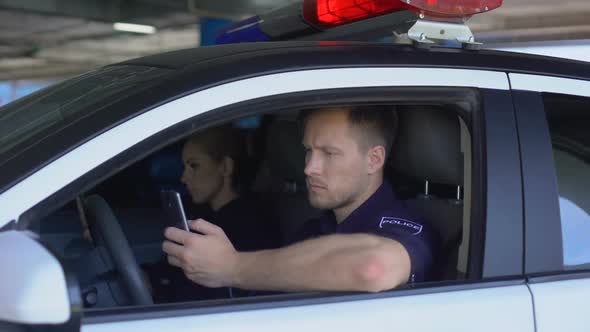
point(495, 297)
point(553, 119)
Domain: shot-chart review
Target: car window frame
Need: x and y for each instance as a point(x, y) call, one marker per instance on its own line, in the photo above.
point(486, 133)
point(543, 249)
point(504, 248)
point(315, 99)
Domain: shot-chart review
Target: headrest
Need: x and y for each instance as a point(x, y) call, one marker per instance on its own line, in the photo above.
point(286, 155)
point(428, 145)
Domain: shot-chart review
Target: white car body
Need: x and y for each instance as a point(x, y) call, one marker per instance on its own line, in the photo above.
point(496, 303)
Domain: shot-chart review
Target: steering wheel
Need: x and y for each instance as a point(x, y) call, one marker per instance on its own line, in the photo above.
point(106, 230)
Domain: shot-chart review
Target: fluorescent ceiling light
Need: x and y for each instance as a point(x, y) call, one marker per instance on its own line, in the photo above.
point(137, 28)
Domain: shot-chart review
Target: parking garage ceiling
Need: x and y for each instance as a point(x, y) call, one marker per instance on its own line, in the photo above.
point(59, 38)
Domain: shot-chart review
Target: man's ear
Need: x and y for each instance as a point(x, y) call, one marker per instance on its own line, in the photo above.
point(228, 166)
point(376, 159)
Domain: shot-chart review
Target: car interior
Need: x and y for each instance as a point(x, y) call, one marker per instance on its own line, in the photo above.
point(430, 168)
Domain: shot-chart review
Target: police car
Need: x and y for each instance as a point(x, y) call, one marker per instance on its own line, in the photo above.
point(492, 149)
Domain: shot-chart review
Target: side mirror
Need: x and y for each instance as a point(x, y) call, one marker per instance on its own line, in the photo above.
point(33, 290)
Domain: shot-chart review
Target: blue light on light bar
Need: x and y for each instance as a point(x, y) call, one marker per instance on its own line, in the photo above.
point(242, 32)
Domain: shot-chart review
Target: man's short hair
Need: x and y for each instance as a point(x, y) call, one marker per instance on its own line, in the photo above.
point(376, 124)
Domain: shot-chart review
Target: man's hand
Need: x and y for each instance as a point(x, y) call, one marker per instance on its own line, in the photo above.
point(208, 258)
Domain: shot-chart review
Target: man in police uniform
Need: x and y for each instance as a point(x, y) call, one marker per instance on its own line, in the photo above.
point(366, 241)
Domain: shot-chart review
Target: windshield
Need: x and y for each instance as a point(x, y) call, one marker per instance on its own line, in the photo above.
point(30, 119)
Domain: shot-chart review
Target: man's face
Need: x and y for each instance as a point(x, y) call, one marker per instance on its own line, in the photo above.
point(335, 166)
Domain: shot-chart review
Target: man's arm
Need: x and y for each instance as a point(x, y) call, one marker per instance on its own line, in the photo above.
point(344, 262)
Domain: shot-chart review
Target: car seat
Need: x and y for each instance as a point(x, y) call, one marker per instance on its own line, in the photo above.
point(428, 149)
point(282, 177)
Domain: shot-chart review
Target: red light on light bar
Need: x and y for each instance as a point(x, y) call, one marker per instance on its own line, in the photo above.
point(457, 8)
point(329, 13)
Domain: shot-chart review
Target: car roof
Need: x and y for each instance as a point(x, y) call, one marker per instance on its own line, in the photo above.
point(188, 71)
point(567, 49)
point(397, 53)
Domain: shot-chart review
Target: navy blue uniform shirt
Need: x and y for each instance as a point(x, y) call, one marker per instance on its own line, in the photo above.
point(382, 214)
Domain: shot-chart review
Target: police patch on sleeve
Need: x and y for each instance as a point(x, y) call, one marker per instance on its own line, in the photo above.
point(401, 224)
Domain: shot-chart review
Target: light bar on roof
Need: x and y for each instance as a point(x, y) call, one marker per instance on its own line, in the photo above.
point(313, 17)
point(331, 13)
point(279, 24)
point(244, 31)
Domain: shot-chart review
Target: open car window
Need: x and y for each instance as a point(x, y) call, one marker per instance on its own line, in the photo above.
point(275, 180)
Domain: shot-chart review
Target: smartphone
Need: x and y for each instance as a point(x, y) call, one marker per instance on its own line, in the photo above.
point(174, 212)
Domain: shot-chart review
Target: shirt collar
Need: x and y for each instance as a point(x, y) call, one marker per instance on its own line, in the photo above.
point(370, 209)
